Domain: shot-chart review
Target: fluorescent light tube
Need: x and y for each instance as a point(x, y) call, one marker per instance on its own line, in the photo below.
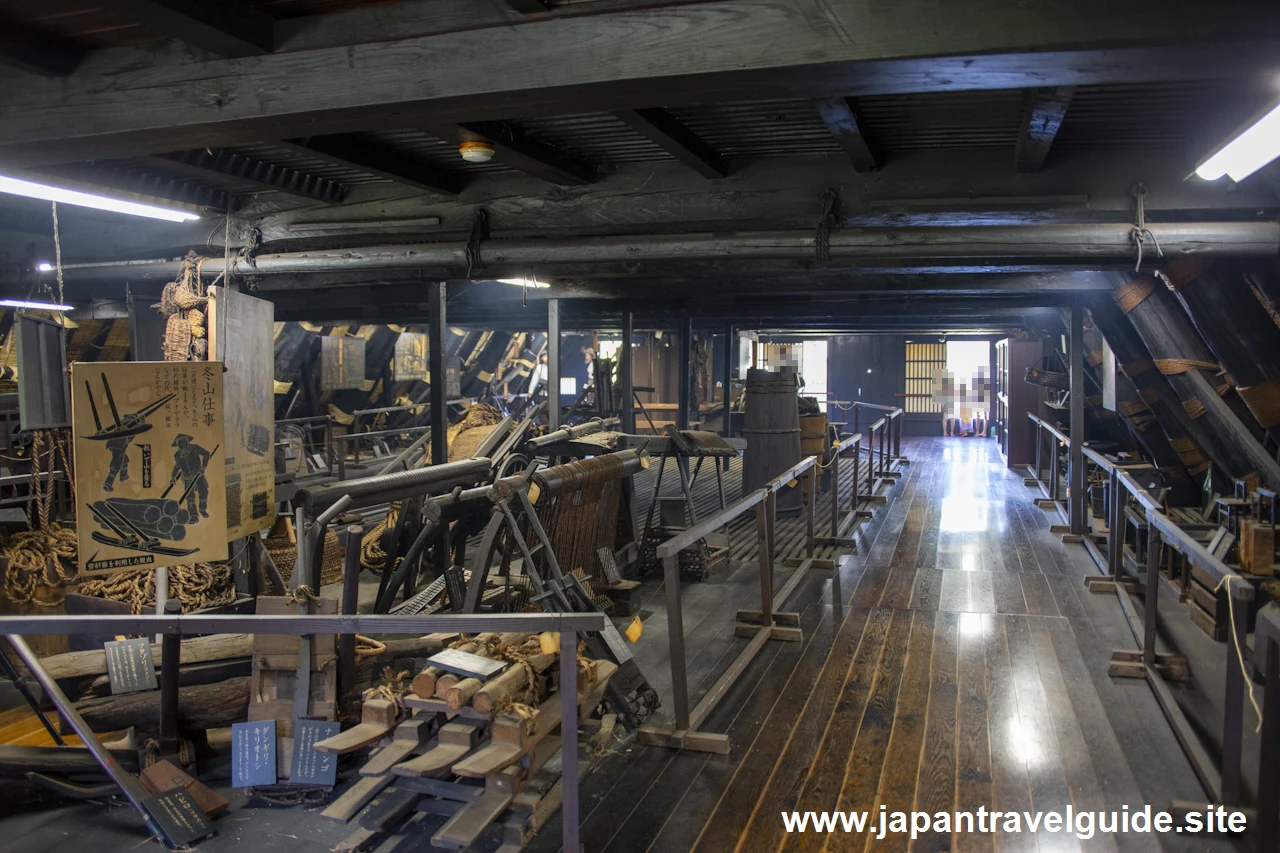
point(1247, 153)
point(30, 189)
point(523, 282)
point(35, 306)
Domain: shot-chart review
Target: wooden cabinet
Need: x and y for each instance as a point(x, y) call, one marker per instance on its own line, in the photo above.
point(1014, 399)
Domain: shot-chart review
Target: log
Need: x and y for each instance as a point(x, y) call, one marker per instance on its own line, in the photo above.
point(460, 692)
point(204, 706)
point(508, 684)
point(189, 675)
point(194, 650)
point(1228, 432)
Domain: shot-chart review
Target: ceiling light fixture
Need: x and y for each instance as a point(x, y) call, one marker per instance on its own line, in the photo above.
point(524, 282)
point(1246, 152)
point(44, 266)
point(35, 306)
point(476, 151)
point(30, 189)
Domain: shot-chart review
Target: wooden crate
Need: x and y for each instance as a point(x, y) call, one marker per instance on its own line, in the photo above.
point(275, 669)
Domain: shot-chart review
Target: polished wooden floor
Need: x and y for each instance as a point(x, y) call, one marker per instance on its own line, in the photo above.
point(955, 661)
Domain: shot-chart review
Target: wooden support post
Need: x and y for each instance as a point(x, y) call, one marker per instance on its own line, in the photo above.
point(170, 663)
point(1075, 469)
point(685, 385)
point(1269, 763)
point(1233, 707)
point(569, 738)
point(729, 352)
point(553, 365)
point(626, 374)
point(436, 332)
point(675, 637)
point(766, 563)
point(350, 601)
point(1151, 601)
point(810, 511)
point(1115, 525)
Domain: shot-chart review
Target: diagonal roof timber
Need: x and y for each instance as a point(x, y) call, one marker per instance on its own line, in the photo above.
point(1042, 118)
point(209, 164)
point(35, 52)
point(223, 27)
point(115, 104)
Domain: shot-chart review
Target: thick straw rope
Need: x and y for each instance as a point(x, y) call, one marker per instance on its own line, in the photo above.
point(1263, 399)
point(1176, 366)
point(1131, 295)
point(1137, 368)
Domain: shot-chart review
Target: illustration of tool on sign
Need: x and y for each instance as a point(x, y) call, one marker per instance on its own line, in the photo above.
point(120, 433)
point(146, 524)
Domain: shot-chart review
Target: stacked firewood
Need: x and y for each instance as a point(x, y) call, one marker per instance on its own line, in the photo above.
point(478, 747)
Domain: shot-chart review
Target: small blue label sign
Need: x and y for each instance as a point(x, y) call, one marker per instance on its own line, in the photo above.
point(310, 766)
point(253, 754)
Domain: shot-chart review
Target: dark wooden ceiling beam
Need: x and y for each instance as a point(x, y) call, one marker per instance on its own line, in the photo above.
point(35, 52)
point(670, 134)
point(224, 27)
point(132, 103)
point(220, 165)
point(530, 7)
point(522, 152)
point(133, 182)
point(374, 158)
point(1042, 117)
point(841, 118)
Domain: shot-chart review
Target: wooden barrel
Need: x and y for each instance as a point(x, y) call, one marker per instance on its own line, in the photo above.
point(772, 429)
point(813, 441)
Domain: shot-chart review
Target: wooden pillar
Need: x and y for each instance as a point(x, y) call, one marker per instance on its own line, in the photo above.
point(1075, 459)
point(436, 332)
point(553, 365)
point(625, 374)
point(729, 352)
point(686, 374)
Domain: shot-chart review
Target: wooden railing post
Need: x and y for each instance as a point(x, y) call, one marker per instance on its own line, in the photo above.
point(1269, 761)
point(1233, 706)
point(1116, 521)
point(675, 638)
point(1152, 599)
point(813, 504)
point(1039, 448)
point(835, 490)
point(765, 562)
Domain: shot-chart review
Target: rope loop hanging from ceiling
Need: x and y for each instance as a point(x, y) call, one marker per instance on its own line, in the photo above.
point(1141, 234)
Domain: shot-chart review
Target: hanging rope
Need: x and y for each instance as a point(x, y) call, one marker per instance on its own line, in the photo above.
point(1141, 234)
point(1235, 640)
point(826, 221)
point(372, 555)
point(46, 554)
point(1131, 295)
point(1176, 366)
